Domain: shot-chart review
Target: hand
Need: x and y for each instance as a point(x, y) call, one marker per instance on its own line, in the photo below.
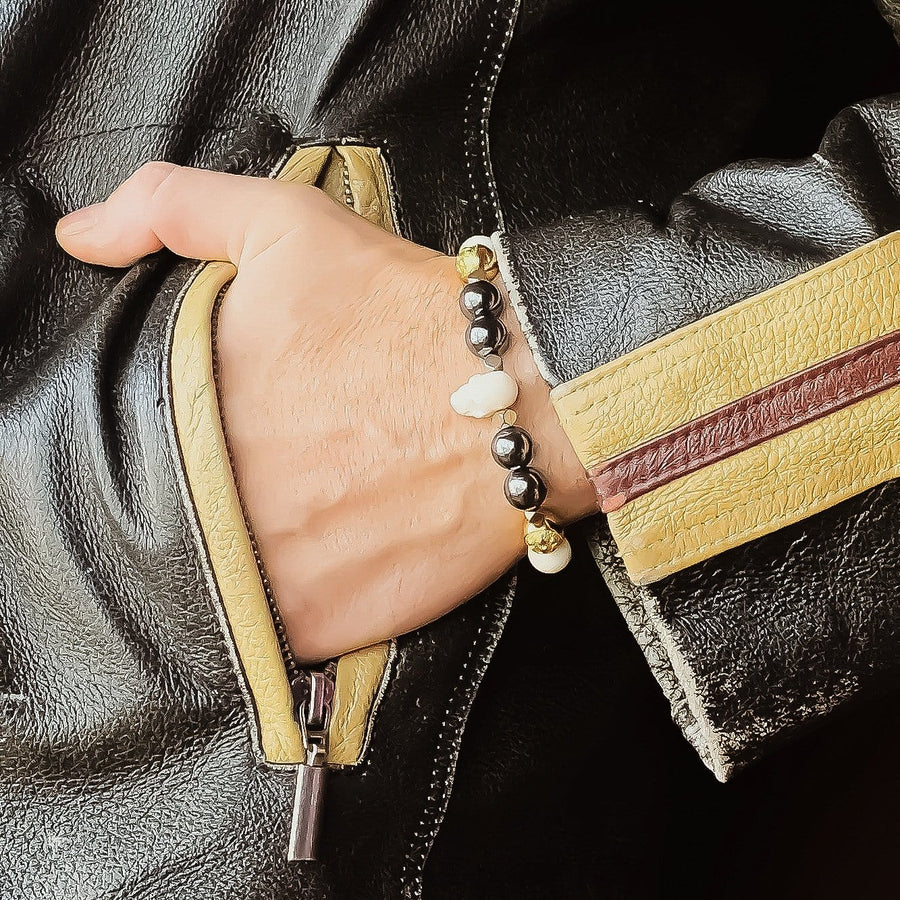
point(376, 508)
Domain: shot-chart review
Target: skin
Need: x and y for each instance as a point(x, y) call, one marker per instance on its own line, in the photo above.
point(376, 508)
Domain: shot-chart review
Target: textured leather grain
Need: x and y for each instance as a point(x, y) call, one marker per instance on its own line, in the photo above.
point(757, 642)
point(774, 484)
point(717, 399)
point(837, 382)
point(127, 761)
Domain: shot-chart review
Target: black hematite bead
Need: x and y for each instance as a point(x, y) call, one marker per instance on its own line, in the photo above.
point(525, 489)
point(479, 298)
point(486, 335)
point(511, 447)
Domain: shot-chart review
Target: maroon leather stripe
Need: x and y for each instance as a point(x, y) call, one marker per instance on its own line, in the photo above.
point(773, 410)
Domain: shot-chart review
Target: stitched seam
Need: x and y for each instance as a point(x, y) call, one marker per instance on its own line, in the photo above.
point(415, 883)
point(349, 199)
point(888, 467)
point(751, 403)
point(490, 87)
point(438, 769)
point(468, 117)
point(702, 324)
point(748, 534)
point(479, 130)
point(503, 249)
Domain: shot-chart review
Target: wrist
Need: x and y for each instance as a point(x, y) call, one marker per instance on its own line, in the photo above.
point(570, 494)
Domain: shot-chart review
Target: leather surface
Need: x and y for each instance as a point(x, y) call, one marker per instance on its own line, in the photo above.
point(630, 812)
point(753, 493)
point(127, 766)
point(746, 484)
point(127, 763)
point(835, 383)
point(621, 279)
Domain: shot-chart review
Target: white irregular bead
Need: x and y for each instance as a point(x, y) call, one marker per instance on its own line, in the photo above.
point(483, 395)
point(551, 563)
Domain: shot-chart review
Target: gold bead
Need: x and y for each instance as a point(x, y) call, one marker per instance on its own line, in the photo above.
point(505, 417)
point(542, 535)
point(477, 261)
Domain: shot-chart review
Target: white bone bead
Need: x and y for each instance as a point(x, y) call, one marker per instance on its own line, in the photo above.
point(551, 563)
point(483, 395)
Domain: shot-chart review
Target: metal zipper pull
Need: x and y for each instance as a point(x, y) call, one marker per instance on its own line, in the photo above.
point(313, 694)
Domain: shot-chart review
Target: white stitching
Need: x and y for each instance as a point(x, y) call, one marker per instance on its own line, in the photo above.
point(412, 885)
point(479, 129)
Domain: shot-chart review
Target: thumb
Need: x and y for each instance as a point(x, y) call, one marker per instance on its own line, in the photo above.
point(194, 212)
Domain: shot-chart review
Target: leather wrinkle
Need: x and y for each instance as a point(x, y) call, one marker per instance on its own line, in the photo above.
point(373, 22)
point(205, 100)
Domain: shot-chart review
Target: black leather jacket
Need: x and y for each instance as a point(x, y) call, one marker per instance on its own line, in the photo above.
point(131, 763)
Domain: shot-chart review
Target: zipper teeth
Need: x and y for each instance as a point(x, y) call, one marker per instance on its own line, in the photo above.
point(348, 187)
point(291, 665)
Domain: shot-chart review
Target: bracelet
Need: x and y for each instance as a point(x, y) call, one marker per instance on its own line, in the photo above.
point(493, 393)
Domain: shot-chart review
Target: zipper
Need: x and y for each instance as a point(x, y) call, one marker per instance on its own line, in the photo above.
point(312, 692)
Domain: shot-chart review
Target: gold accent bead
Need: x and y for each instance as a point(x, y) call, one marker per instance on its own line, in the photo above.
point(477, 261)
point(542, 535)
point(505, 417)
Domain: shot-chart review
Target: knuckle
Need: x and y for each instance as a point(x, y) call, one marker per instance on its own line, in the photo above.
point(161, 179)
point(154, 172)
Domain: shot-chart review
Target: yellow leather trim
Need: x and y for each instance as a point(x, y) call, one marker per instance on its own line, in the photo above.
point(723, 357)
point(350, 174)
point(356, 176)
point(760, 490)
point(370, 196)
point(198, 427)
point(305, 165)
point(357, 684)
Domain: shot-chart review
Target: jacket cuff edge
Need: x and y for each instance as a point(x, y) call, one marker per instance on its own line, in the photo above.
point(504, 253)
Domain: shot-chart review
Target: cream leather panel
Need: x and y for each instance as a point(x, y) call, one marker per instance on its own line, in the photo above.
point(371, 196)
point(761, 489)
point(305, 165)
point(359, 683)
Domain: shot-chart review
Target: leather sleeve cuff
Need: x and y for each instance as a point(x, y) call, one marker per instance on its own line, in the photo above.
point(772, 636)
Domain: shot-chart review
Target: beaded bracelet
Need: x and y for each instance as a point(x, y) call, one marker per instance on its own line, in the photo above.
point(493, 393)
